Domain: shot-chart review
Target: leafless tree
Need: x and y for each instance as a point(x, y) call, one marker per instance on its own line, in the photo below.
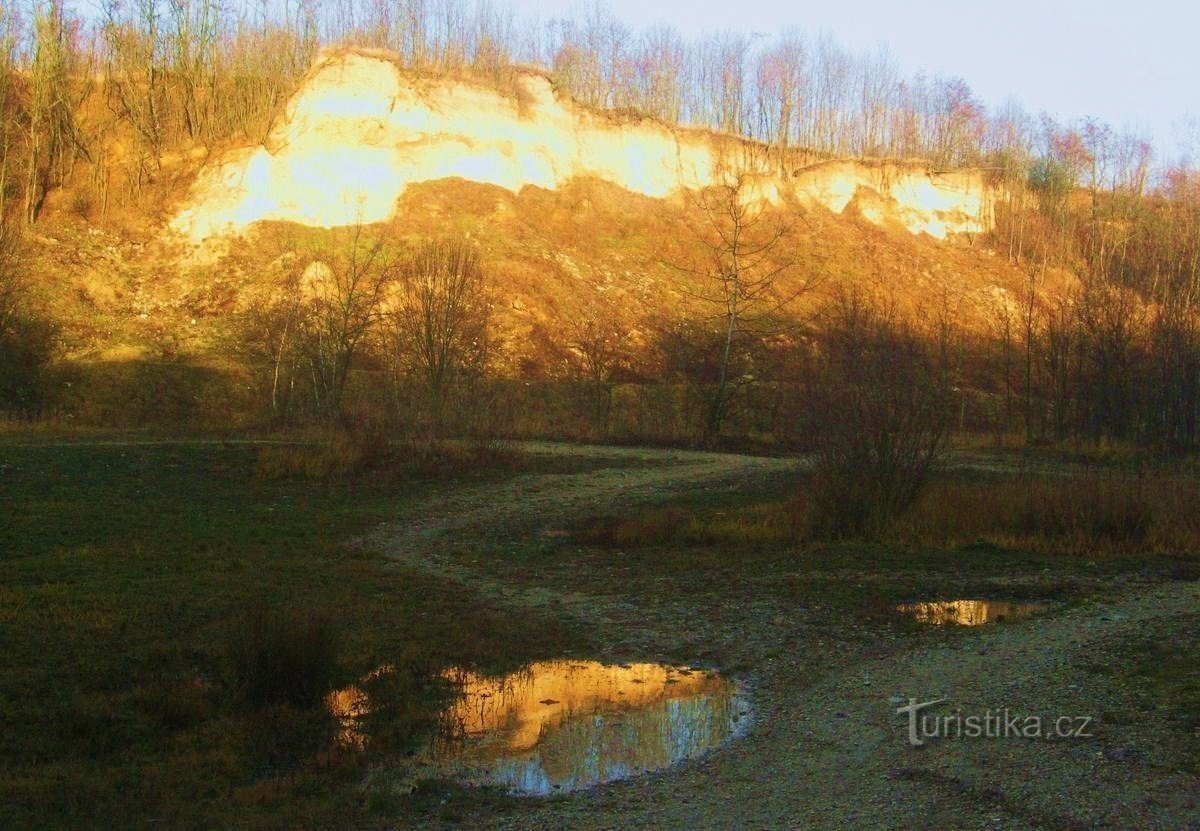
point(53, 142)
point(438, 316)
point(10, 101)
point(596, 350)
point(316, 323)
point(737, 276)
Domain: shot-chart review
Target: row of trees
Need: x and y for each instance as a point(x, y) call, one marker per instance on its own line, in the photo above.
point(1117, 356)
point(165, 74)
point(1102, 361)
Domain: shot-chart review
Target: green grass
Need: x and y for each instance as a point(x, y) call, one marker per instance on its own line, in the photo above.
point(126, 571)
point(1165, 671)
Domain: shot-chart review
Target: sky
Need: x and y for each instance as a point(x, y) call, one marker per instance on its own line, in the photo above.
point(1135, 65)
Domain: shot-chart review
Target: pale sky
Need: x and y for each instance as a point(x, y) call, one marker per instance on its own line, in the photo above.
point(1132, 64)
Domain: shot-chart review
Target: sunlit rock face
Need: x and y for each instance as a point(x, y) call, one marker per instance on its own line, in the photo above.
point(360, 130)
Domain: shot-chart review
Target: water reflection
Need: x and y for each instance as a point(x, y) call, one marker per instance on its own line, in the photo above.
point(557, 726)
point(969, 612)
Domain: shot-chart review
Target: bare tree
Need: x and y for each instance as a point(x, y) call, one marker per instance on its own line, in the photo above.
point(10, 100)
point(135, 74)
point(596, 345)
point(439, 315)
point(52, 138)
point(1003, 322)
point(316, 322)
point(737, 276)
point(779, 77)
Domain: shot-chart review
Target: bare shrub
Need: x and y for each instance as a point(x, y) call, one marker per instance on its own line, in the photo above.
point(283, 656)
point(437, 323)
point(1094, 511)
point(878, 409)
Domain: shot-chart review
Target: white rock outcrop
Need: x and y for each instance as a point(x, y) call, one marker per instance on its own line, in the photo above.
point(359, 130)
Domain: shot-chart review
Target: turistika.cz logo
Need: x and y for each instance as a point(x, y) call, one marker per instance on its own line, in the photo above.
point(999, 723)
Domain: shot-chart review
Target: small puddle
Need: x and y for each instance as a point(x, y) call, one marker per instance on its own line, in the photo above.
point(970, 612)
point(559, 726)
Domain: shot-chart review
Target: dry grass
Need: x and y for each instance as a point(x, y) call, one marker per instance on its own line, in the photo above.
point(1090, 513)
point(340, 454)
point(1087, 513)
point(335, 455)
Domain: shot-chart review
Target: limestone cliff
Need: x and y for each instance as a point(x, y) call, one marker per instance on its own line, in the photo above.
point(360, 130)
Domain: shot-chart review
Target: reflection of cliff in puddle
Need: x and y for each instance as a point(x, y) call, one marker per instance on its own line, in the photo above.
point(562, 725)
point(969, 612)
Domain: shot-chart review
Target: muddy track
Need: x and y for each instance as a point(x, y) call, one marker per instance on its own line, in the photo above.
point(828, 749)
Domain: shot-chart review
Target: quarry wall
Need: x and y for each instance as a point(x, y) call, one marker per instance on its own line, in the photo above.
point(360, 130)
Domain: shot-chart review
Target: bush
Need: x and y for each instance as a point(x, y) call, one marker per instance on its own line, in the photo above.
point(283, 657)
point(878, 409)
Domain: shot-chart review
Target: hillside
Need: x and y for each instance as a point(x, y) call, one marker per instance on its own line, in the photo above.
point(574, 209)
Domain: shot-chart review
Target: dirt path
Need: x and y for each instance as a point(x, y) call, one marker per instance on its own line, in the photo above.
point(828, 749)
point(449, 535)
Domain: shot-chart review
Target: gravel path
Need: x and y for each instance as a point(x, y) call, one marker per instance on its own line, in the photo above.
point(447, 535)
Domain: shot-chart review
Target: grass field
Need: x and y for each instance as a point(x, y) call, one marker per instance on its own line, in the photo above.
point(127, 571)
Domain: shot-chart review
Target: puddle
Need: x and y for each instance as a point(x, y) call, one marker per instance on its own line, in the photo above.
point(559, 726)
point(969, 612)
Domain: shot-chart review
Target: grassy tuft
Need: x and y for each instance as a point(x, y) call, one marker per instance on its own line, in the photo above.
point(283, 657)
point(757, 524)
